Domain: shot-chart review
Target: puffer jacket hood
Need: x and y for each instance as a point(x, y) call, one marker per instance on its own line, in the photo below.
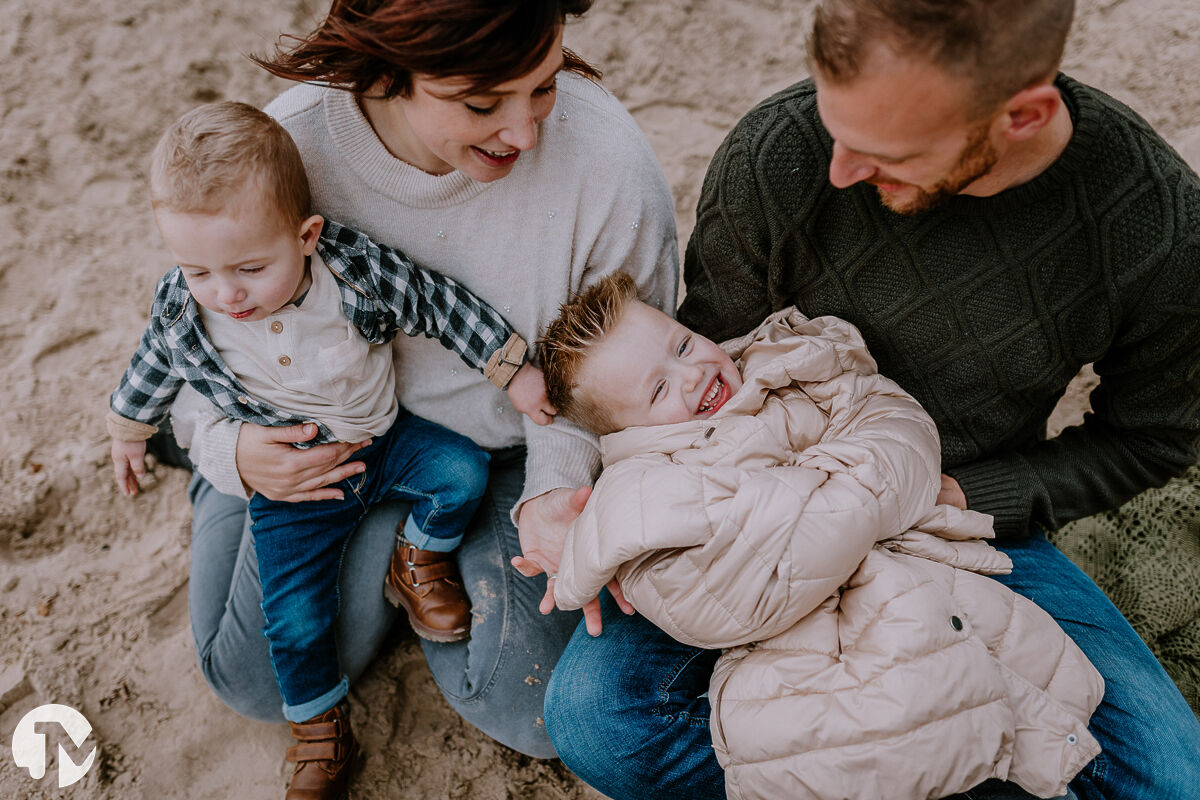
point(867, 655)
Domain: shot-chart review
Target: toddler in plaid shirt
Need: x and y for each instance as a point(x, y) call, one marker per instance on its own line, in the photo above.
point(280, 317)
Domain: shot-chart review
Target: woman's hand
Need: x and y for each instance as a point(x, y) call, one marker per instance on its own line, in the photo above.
point(542, 526)
point(527, 393)
point(269, 465)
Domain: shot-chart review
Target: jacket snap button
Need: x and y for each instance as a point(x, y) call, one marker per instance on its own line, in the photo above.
point(243, 399)
point(708, 433)
point(1072, 738)
point(956, 623)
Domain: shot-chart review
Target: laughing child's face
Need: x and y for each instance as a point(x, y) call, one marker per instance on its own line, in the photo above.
point(650, 370)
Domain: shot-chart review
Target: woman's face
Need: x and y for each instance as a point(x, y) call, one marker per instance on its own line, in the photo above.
point(482, 134)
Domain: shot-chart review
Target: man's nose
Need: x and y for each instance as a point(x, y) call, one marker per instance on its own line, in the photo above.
point(847, 168)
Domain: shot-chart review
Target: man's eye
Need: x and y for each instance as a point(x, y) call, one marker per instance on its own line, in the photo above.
point(251, 270)
point(683, 346)
point(658, 390)
point(483, 112)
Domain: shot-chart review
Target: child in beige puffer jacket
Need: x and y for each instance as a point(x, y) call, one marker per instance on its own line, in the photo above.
point(775, 497)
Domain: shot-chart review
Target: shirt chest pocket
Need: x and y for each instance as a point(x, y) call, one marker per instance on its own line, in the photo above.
point(348, 368)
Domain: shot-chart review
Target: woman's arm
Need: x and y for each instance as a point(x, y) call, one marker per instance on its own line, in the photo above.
point(239, 458)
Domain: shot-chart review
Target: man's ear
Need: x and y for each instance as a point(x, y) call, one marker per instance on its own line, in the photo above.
point(1029, 111)
point(310, 231)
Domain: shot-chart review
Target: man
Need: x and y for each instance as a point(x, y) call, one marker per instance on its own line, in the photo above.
point(990, 226)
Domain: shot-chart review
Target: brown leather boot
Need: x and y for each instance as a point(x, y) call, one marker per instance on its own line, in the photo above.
point(325, 756)
point(427, 585)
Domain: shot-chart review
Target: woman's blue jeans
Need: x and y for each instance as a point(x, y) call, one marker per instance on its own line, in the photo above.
point(484, 678)
point(627, 711)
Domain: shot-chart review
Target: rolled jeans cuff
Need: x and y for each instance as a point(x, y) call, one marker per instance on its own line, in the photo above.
point(423, 541)
point(319, 705)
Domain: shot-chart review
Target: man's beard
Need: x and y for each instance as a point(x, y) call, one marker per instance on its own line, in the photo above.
point(978, 156)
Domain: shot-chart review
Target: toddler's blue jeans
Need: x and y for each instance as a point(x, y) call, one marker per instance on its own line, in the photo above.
point(300, 547)
point(628, 713)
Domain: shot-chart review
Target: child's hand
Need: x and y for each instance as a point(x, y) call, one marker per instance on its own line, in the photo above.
point(129, 461)
point(527, 392)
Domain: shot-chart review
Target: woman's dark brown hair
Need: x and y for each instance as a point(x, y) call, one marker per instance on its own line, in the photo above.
point(379, 45)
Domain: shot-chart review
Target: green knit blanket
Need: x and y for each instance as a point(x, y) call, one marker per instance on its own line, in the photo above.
point(1146, 556)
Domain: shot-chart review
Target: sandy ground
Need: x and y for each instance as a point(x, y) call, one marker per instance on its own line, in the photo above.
point(93, 611)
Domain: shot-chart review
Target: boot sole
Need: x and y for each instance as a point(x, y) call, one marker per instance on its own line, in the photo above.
point(396, 599)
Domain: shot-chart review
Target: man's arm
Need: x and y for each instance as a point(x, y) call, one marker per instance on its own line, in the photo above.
point(725, 267)
point(1145, 427)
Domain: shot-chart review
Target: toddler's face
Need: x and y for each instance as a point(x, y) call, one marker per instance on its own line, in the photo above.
point(650, 370)
point(241, 261)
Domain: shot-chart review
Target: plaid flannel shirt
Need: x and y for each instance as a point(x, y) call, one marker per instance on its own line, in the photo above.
point(382, 293)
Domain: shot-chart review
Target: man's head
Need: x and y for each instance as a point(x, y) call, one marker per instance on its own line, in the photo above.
point(612, 362)
point(924, 98)
point(231, 199)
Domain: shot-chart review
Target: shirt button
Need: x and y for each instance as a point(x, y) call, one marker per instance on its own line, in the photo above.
point(284, 361)
point(956, 623)
point(276, 327)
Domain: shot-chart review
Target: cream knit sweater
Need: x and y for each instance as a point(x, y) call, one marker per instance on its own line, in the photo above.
point(589, 199)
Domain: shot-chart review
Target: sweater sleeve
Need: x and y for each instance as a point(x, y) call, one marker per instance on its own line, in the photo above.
point(632, 229)
point(1145, 427)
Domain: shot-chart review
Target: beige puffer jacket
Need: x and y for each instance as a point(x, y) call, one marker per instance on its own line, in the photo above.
point(867, 656)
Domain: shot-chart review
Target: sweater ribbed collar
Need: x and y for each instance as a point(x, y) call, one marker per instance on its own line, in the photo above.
point(401, 182)
point(1086, 119)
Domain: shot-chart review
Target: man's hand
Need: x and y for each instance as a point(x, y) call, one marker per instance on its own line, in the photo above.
point(542, 525)
point(269, 465)
point(129, 463)
point(952, 494)
point(527, 393)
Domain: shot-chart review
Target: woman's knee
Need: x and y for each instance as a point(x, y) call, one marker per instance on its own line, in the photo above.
point(243, 689)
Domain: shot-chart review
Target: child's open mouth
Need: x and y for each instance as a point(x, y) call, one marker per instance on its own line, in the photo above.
point(715, 397)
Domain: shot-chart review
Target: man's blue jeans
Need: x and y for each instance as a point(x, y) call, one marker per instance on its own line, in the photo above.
point(300, 547)
point(628, 714)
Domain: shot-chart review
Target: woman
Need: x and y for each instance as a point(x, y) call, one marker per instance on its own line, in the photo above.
point(464, 134)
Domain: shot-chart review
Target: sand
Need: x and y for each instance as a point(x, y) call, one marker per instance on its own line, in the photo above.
point(93, 610)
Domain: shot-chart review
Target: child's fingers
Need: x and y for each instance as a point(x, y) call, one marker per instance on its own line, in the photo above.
point(547, 604)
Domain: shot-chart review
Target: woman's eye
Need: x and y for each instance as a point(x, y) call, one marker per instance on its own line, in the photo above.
point(251, 270)
point(683, 346)
point(658, 388)
point(483, 112)
point(542, 91)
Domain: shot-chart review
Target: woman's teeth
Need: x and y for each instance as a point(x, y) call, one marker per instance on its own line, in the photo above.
point(494, 154)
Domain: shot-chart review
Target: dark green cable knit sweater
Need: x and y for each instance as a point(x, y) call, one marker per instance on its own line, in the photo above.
point(984, 308)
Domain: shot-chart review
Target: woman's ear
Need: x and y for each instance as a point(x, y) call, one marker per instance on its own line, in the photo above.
point(310, 231)
point(1029, 111)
